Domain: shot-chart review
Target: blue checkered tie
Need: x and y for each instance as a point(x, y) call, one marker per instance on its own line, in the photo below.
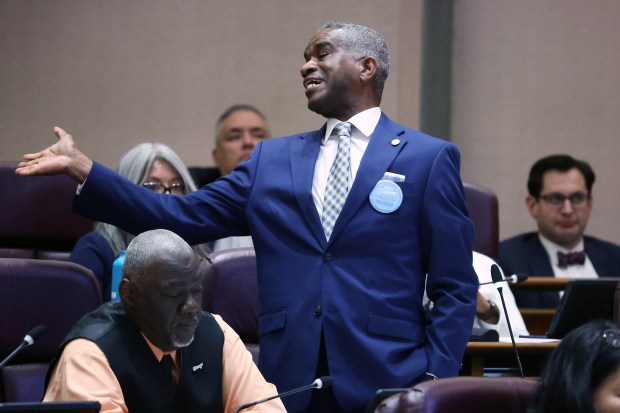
point(338, 181)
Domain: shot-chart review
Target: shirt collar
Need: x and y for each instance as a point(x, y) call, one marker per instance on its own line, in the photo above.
point(553, 248)
point(364, 122)
point(159, 353)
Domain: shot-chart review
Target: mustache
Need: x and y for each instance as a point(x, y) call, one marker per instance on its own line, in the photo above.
point(191, 319)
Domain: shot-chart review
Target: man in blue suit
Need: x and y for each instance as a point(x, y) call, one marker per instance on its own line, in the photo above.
point(342, 298)
point(560, 200)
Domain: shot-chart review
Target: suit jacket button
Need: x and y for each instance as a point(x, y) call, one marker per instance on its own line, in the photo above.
point(328, 257)
point(317, 311)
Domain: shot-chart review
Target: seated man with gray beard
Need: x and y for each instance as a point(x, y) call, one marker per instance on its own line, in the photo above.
point(156, 350)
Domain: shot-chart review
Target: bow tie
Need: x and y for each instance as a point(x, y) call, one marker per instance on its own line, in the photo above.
point(572, 258)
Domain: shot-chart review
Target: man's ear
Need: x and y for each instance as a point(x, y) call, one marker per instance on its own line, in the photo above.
point(216, 156)
point(369, 68)
point(127, 292)
point(532, 206)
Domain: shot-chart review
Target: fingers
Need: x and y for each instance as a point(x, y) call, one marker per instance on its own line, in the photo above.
point(61, 133)
point(31, 161)
point(61, 157)
point(27, 168)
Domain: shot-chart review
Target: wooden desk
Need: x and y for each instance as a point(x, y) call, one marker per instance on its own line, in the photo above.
point(542, 283)
point(537, 320)
point(477, 354)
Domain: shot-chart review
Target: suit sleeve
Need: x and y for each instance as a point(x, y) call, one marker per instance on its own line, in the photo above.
point(447, 248)
point(214, 211)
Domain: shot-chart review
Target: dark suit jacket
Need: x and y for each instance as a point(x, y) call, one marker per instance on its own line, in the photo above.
point(203, 175)
point(363, 289)
point(94, 252)
point(525, 254)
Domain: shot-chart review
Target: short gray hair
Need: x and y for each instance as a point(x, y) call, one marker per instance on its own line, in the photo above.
point(239, 107)
point(135, 165)
point(362, 41)
point(153, 245)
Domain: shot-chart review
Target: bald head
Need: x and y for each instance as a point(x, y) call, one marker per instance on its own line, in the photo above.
point(158, 245)
point(161, 288)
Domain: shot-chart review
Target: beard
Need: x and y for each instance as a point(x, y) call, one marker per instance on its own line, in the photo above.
point(178, 343)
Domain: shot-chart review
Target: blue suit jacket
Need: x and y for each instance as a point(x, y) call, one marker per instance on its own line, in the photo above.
point(363, 289)
point(525, 254)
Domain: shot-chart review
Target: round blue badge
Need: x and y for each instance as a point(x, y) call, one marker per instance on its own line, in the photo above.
point(386, 196)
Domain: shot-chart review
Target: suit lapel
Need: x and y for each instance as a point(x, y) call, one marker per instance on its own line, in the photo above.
point(303, 153)
point(378, 157)
point(597, 258)
point(540, 260)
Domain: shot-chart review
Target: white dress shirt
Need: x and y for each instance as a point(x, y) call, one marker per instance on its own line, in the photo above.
point(364, 125)
point(232, 242)
point(572, 271)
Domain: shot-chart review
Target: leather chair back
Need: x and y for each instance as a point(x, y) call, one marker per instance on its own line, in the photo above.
point(33, 292)
point(37, 214)
point(231, 291)
point(463, 395)
point(484, 213)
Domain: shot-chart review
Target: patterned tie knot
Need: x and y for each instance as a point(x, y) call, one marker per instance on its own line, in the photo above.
point(342, 129)
point(572, 258)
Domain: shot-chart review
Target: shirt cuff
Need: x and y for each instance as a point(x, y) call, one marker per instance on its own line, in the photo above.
point(79, 187)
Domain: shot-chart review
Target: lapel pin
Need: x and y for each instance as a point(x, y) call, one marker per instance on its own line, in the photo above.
point(395, 142)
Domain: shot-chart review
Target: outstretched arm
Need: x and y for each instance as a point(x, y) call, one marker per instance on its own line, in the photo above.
point(61, 157)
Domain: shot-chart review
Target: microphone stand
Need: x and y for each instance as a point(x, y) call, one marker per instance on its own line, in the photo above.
point(320, 383)
point(512, 338)
point(496, 276)
point(27, 342)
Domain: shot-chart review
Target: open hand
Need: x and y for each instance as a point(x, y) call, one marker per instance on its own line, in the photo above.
point(61, 157)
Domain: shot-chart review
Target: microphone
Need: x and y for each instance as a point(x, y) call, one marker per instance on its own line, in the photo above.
point(29, 338)
point(496, 276)
point(513, 279)
point(320, 383)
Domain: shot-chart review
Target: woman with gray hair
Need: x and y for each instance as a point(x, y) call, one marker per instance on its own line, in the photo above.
point(154, 166)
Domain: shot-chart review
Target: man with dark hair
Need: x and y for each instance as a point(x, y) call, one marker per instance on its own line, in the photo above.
point(350, 224)
point(560, 200)
point(156, 351)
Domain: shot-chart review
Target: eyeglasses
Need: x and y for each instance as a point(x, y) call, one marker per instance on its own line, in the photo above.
point(612, 336)
point(177, 188)
point(557, 200)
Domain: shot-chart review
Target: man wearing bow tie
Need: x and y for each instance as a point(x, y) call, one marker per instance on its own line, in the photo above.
point(560, 200)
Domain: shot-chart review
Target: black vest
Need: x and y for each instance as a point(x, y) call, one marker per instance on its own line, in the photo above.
point(146, 386)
